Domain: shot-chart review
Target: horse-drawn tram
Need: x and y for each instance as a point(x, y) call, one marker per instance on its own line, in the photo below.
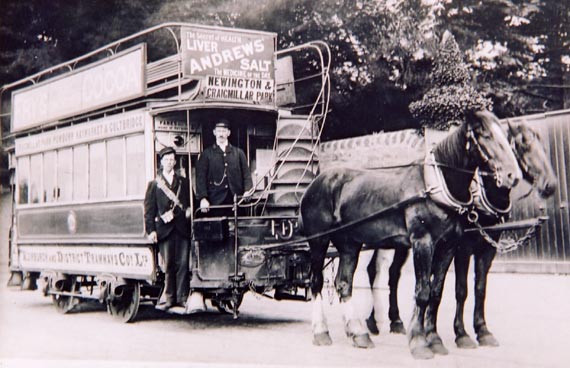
point(84, 142)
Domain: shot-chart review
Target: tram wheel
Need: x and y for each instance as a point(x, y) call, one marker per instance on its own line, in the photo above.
point(228, 306)
point(124, 304)
point(65, 303)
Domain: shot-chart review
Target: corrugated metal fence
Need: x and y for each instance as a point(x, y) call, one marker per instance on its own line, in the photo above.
point(550, 251)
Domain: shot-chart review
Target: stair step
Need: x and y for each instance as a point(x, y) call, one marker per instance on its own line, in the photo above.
point(282, 211)
point(292, 137)
point(301, 149)
point(299, 159)
point(294, 173)
point(291, 181)
point(288, 198)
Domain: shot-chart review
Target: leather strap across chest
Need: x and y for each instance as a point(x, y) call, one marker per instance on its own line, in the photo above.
point(161, 184)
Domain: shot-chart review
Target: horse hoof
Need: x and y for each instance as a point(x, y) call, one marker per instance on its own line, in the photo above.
point(488, 340)
point(422, 352)
point(362, 341)
point(438, 348)
point(435, 344)
point(397, 328)
point(372, 327)
point(465, 342)
point(322, 339)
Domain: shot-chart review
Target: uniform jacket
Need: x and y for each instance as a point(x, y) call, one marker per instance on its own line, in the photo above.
point(210, 169)
point(157, 203)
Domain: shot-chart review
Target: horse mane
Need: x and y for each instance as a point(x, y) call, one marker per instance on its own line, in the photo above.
point(451, 150)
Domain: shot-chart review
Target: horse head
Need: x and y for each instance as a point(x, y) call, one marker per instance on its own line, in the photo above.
point(486, 136)
point(533, 159)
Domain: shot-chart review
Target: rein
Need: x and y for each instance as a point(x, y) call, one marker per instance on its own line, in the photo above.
point(402, 203)
point(434, 163)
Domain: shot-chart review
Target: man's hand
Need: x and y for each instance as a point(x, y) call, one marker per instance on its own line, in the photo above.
point(204, 205)
point(188, 213)
point(153, 237)
point(247, 195)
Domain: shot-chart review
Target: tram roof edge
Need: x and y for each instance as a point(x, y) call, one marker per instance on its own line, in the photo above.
point(117, 43)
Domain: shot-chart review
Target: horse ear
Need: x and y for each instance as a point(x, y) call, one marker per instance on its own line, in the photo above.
point(473, 118)
point(512, 127)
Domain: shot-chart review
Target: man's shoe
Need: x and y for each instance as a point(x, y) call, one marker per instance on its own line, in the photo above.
point(165, 306)
point(195, 303)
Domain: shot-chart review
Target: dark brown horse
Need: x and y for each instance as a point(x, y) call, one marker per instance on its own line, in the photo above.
point(538, 171)
point(398, 206)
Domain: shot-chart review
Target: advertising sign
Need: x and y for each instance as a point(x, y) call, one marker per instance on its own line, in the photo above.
point(234, 65)
point(116, 79)
point(92, 259)
point(110, 126)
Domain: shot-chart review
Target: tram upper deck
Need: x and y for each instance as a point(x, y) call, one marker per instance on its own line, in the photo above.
point(84, 135)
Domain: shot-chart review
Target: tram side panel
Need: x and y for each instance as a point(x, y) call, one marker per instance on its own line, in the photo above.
point(79, 200)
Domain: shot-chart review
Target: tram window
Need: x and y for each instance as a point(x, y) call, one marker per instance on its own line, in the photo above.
point(64, 175)
point(80, 183)
point(23, 179)
point(49, 173)
point(135, 165)
point(97, 170)
point(115, 168)
point(35, 178)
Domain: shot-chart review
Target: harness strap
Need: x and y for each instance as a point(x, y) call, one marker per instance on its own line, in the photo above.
point(161, 184)
point(403, 203)
point(482, 202)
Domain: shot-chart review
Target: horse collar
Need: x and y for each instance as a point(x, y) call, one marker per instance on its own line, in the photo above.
point(437, 188)
point(481, 201)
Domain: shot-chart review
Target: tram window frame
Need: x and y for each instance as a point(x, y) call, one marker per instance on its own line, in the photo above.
point(135, 165)
point(50, 179)
point(23, 176)
point(115, 168)
point(97, 171)
point(36, 185)
point(64, 175)
point(81, 173)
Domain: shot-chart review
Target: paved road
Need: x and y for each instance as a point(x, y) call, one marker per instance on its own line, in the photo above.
point(529, 314)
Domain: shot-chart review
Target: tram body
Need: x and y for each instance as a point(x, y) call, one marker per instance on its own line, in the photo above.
point(84, 143)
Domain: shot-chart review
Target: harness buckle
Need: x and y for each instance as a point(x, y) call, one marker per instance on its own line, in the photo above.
point(472, 216)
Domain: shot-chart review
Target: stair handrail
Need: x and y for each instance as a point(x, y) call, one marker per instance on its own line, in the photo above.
point(324, 95)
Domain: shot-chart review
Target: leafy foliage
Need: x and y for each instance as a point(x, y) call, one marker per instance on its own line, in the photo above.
point(451, 96)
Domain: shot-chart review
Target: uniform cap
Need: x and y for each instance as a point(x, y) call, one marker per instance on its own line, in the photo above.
point(166, 151)
point(223, 123)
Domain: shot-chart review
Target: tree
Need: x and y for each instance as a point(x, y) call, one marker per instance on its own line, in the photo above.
point(451, 96)
point(516, 48)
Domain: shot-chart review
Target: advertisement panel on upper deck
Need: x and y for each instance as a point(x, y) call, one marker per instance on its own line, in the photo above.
point(235, 65)
point(109, 81)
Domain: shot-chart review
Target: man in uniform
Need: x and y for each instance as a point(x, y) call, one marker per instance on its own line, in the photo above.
point(166, 213)
point(221, 172)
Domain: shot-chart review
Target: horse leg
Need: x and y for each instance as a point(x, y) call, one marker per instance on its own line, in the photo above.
point(461, 262)
point(400, 257)
point(320, 328)
point(483, 259)
point(354, 325)
point(422, 246)
point(444, 252)
point(373, 270)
